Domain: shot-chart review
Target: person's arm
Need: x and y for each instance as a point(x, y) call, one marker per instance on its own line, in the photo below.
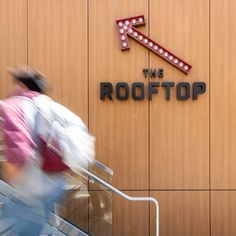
point(16, 135)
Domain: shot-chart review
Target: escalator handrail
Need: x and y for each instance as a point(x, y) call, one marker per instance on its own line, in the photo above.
point(103, 167)
point(120, 193)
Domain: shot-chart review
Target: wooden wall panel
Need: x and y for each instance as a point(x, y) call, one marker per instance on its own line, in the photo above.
point(121, 127)
point(100, 212)
point(130, 218)
point(63, 36)
point(180, 129)
point(75, 209)
point(223, 90)
point(182, 213)
point(58, 47)
point(223, 213)
point(13, 41)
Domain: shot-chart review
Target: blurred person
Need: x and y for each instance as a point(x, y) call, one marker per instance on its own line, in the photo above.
point(23, 165)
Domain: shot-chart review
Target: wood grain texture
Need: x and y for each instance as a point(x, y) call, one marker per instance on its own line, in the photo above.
point(100, 213)
point(130, 218)
point(13, 41)
point(223, 213)
point(121, 127)
point(223, 90)
point(75, 209)
point(182, 213)
point(58, 47)
point(179, 130)
point(62, 37)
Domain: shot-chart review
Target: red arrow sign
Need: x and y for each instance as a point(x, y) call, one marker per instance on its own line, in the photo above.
point(127, 27)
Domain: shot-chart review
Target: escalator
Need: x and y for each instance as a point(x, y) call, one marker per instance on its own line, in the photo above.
point(86, 211)
point(55, 226)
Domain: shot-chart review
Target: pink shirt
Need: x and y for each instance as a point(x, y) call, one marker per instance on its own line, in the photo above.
point(16, 131)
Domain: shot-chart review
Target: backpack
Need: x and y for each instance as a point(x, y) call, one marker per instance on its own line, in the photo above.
point(62, 138)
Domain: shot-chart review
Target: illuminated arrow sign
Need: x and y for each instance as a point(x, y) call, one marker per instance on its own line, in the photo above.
point(127, 27)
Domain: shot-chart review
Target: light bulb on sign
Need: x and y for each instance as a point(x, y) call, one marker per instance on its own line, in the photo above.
point(120, 24)
point(140, 37)
point(140, 20)
point(122, 37)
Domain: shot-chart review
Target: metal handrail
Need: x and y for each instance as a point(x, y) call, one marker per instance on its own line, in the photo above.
point(117, 191)
point(103, 167)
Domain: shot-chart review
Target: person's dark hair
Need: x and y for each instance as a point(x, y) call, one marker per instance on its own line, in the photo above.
point(32, 79)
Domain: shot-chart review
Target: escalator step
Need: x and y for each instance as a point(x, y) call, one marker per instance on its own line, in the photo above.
point(9, 199)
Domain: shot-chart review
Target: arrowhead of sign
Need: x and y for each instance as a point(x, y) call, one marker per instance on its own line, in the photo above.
point(124, 27)
point(128, 26)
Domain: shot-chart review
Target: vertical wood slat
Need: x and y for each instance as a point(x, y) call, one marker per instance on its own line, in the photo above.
point(121, 128)
point(58, 47)
point(130, 218)
point(223, 116)
point(180, 129)
point(182, 213)
point(13, 42)
point(223, 213)
point(223, 90)
point(100, 212)
point(75, 209)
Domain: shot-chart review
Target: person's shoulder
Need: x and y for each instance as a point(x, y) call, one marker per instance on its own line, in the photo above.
point(13, 100)
point(13, 105)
